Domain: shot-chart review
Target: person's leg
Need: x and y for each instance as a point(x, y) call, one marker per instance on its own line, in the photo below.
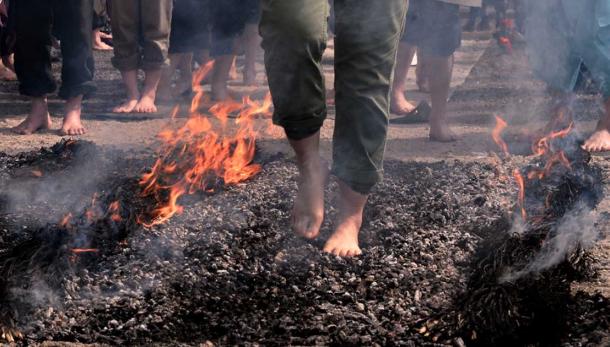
point(6, 74)
point(125, 32)
point(294, 38)
point(164, 91)
point(252, 44)
point(366, 42)
point(599, 141)
point(220, 76)
point(33, 61)
point(399, 103)
point(156, 27)
point(73, 20)
point(439, 74)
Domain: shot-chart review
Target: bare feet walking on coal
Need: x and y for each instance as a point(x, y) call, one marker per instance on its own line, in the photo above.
point(344, 241)
point(37, 119)
point(308, 209)
point(72, 124)
point(599, 141)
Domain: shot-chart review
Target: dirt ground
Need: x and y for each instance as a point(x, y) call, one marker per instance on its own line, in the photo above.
point(486, 82)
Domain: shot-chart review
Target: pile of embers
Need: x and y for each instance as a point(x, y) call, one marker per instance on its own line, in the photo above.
point(76, 266)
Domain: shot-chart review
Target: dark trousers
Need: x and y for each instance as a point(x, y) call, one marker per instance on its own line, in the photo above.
point(229, 18)
point(71, 20)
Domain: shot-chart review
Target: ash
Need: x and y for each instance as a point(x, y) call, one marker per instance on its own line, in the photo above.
point(229, 271)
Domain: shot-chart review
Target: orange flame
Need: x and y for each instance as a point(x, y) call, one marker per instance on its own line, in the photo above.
point(497, 134)
point(543, 145)
point(113, 209)
point(207, 148)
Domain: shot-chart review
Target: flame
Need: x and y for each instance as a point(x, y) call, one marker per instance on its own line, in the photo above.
point(36, 173)
point(543, 145)
point(209, 148)
point(496, 134)
point(521, 183)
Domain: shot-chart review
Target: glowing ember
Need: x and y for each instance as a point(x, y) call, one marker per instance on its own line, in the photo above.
point(36, 173)
point(65, 221)
point(497, 134)
point(521, 183)
point(84, 250)
point(207, 149)
point(113, 210)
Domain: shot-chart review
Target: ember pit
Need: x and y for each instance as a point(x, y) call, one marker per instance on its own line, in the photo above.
point(228, 270)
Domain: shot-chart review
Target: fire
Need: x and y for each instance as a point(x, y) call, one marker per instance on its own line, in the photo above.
point(521, 183)
point(543, 145)
point(497, 134)
point(217, 146)
point(36, 173)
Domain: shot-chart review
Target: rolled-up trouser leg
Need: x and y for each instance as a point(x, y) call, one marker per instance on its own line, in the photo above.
point(73, 19)
point(125, 34)
point(156, 26)
point(33, 47)
point(367, 36)
point(294, 36)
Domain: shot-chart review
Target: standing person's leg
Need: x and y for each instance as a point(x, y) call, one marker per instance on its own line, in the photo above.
point(366, 41)
point(252, 42)
point(399, 103)
point(125, 38)
point(156, 17)
point(294, 38)
point(228, 22)
point(33, 61)
point(73, 21)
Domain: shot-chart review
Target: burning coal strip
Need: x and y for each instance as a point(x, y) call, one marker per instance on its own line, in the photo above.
point(84, 250)
point(201, 154)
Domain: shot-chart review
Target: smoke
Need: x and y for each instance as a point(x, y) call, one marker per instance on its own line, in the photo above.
point(576, 230)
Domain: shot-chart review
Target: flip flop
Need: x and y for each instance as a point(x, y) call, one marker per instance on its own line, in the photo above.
point(421, 114)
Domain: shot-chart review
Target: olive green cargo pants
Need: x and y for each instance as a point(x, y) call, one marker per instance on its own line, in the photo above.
point(140, 30)
point(367, 33)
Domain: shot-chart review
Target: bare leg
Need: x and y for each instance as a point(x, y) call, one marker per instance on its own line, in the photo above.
point(164, 91)
point(439, 73)
point(308, 210)
point(9, 61)
point(599, 141)
point(6, 74)
point(421, 78)
point(98, 44)
point(398, 102)
point(37, 119)
point(344, 241)
point(72, 124)
point(252, 44)
point(130, 79)
point(146, 104)
point(183, 84)
point(220, 76)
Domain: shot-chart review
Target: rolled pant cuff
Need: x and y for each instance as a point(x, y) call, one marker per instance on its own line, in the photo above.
point(361, 182)
point(38, 89)
point(86, 89)
point(298, 122)
point(126, 64)
point(154, 65)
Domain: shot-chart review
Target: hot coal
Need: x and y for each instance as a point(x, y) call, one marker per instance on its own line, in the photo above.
point(228, 270)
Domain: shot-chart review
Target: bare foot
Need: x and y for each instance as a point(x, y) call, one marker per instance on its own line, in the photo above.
point(38, 119)
point(7, 74)
point(146, 105)
point(98, 44)
point(344, 241)
point(599, 141)
point(400, 105)
point(72, 124)
point(126, 107)
point(442, 133)
point(308, 210)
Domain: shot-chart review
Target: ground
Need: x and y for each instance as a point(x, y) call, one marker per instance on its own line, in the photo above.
point(486, 83)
